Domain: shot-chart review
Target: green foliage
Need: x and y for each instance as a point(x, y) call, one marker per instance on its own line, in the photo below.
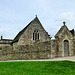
point(37, 68)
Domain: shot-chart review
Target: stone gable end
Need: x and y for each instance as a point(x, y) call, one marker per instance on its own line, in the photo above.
point(27, 38)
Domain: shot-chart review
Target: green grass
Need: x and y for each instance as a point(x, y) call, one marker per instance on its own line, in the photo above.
point(37, 68)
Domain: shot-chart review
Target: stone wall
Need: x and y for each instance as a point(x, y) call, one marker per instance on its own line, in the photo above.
point(5, 42)
point(54, 48)
point(25, 52)
point(5, 53)
point(74, 44)
point(2, 45)
point(60, 43)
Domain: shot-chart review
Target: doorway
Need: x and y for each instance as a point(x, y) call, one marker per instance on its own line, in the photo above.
point(66, 48)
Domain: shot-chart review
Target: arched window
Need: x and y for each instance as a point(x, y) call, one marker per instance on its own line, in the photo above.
point(36, 35)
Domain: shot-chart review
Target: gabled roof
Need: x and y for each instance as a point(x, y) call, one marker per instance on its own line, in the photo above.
point(64, 26)
point(21, 32)
point(72, 31)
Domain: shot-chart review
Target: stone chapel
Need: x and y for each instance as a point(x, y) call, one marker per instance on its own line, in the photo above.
point(33, 42)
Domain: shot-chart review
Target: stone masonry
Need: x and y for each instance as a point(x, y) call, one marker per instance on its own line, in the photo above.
point(33, 42)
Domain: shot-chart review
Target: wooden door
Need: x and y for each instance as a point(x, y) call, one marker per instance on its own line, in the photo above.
point(66, 48)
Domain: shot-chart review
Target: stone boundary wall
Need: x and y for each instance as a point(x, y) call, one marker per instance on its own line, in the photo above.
point(54, 49)
point(26, 52)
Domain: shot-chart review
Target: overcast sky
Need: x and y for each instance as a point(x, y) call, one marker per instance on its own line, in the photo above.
point(16, 14)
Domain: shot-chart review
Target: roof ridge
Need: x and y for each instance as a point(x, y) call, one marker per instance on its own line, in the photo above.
point(62, 28)
point(19, 34)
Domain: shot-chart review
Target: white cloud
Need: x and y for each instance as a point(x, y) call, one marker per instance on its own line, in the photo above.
point(69, 17)
point(10, 30)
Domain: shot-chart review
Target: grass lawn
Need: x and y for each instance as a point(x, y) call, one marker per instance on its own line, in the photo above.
point(37, 68)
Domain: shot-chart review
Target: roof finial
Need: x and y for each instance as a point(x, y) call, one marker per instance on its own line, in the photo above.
point(64, 22)
point(36, 15)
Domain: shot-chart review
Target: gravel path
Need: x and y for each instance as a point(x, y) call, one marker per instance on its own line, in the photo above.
point(70, 58)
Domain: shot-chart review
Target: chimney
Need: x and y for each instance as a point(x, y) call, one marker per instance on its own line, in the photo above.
point(1, 37)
